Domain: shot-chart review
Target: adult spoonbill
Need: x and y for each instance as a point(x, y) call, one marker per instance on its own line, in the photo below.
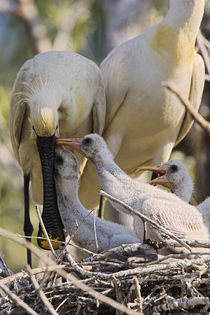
point(54, 94)
point(144, 120)
point(163, 207)
point(175, 175)
point(85, 229)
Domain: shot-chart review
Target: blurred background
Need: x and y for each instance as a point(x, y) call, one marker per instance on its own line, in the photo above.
point(91, 28)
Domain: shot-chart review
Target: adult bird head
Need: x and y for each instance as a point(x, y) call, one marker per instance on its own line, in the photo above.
point(44, 122)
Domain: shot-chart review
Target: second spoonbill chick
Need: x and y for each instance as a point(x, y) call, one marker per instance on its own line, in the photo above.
point(175, 175)
point(163, 207)
point(79, 222)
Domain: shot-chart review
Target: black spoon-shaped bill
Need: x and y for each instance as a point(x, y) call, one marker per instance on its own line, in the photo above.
point(50, 215)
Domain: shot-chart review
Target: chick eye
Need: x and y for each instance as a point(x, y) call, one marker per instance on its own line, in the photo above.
point(173, 168)
point(87, 141)
point(58, 158)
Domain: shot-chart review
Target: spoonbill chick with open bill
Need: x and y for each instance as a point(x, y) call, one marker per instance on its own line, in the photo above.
point(167, 209)
point(54, 94)
point(175, 175)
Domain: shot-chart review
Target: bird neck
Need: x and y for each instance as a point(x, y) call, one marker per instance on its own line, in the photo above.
point(184, 190)
point(204, 208)
point(185, 15)
point(175, 36)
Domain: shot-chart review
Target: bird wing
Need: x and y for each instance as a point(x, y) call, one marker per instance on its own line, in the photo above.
point(114, 73)
point(179, 218)
point(17, 107)
point(196, 91)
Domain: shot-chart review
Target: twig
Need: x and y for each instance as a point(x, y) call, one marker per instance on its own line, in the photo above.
point(191, 243)
point(42, 296)
point(64, 243)
point(75, 232)
point(95, 231)
point(182, 303)
point(157, 268)
point(122, 249)
point(117, 293)
point(144, 218)
point(204, 51)
point(34, 271)
point(45, 231)
point(17, 300)
point(176, 256)
point(138, 293)
point(87, 273)
point(68, 277)
point(195, 115)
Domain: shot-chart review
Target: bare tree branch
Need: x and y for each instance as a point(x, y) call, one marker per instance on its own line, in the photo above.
point(146, 219)
point(42, 296)
point(17, 300)
point(196, 116)
point(202, 46)
point(69, 277)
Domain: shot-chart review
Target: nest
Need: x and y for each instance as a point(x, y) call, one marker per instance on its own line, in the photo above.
point(119, 281)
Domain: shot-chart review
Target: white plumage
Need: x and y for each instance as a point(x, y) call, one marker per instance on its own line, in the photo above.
point(78, 222)
point(58, 92)
point(163, 207)
point(144, 120)
point(178, 179)
point(55, 93)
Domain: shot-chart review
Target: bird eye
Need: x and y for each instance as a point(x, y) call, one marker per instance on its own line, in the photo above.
point(58, 158)
point(174, 168)
point(86, 141)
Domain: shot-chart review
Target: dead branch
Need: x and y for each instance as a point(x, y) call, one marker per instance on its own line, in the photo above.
point(146, 219)
point(195, 115)
point(166, 284)
point(45, 231)
point(40, 292)
point(17, 300)
point(69, 277)
point(203, 48)
point(182, 303)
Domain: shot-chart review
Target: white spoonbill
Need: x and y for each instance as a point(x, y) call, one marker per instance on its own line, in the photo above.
point(79, 223)
point(144, 120)
point(55, 93)
point(163, 207)
point(175, 175)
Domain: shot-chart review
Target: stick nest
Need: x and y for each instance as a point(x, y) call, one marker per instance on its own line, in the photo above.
point(167, 285)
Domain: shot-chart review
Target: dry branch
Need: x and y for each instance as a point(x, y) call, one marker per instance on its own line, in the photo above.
point(195, 115)
point(67, 276)
point(41, 294)
point(146, 219)
point(171, 285)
